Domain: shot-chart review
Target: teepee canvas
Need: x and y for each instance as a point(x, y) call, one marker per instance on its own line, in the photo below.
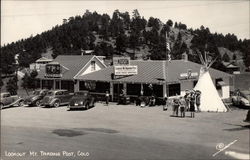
point(210, 99)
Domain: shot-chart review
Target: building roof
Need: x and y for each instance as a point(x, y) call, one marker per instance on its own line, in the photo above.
point(44, 59)
point(152, 72)
point(72, 64)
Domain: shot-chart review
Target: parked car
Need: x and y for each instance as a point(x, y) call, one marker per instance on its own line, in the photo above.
point(7, 100)
point(241, 98)
point(55, 98)
point(36, 97)
point(82, 100)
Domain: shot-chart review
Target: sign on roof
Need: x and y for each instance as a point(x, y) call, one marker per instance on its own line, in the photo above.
point(53, 70)
point(125, 70)
point(189, 75)
point(119, 61)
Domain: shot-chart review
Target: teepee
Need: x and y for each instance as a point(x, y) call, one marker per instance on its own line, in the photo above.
point(210, 99)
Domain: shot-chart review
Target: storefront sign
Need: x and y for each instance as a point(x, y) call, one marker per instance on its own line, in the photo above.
point(53, 70)
point(53, 75)
point(189, 75)
point(121, 61)
point(125, 70)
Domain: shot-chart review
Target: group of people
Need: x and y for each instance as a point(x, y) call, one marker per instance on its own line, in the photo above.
point(190, 102)
point(185, 103)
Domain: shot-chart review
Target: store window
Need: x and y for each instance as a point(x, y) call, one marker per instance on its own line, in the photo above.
point(133, 89)
point(174, 89)
point(92, 65)
point(217, 85)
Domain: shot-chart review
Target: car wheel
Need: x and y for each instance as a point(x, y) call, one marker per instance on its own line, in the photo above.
point(20, 104)
point(38, 103)
point(1, 106)
point(56, 104)
point(87, 106)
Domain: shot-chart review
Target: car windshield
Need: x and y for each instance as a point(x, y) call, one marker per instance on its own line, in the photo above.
point(50, 93)
point(36, 92)
point(81, 94)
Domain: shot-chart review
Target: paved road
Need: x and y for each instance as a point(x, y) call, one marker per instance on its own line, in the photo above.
point(119, 132)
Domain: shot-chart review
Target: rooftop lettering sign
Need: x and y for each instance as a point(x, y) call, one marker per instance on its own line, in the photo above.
point(125, 70)
point(120, 61)
point(53, 70)
point(188, 75)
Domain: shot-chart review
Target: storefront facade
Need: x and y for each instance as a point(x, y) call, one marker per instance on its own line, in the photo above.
point(61, 73)
point(159, 78)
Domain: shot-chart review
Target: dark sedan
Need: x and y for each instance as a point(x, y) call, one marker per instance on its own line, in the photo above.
point(81, 100)
point(36, 97)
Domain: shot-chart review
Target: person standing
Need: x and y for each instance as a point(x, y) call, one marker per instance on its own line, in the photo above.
point(165, 103)
point(182, 106)
point(176, 104)
point(107, 97)
point(187, 99)
point(198, 101)
point(192, 102)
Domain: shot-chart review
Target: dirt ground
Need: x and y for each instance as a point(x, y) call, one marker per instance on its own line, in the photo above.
point(123, 132)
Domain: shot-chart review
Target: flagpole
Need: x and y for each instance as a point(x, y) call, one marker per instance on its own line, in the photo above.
point(166, 64)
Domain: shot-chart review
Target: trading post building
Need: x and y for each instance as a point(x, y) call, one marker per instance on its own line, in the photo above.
point(130, 77)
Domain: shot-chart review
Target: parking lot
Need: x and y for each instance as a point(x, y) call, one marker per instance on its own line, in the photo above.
point(119, 132)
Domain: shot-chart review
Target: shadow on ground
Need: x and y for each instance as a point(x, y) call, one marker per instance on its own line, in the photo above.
point(239, 128)
point(81, 131)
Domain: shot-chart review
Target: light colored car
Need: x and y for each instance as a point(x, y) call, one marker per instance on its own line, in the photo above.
point(7, 100)
point(241, 98)
point(55, 98)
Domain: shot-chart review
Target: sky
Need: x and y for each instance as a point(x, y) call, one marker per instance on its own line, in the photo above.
point(21, 19)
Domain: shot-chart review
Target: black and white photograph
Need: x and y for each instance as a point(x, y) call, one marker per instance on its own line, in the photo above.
point(125, 80)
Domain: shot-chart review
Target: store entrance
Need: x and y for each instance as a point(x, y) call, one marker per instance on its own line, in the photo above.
point(117, 91)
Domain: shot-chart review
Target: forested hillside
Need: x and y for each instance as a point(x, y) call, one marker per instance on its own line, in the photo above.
point(123, 34)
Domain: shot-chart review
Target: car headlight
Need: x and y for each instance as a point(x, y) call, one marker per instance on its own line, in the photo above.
point(81, 103)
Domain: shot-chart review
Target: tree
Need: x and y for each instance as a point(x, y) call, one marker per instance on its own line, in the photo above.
point(1, 83)
point(225, 58)
point(134, 41)
point(175, 25)
point(11, 86)
point(121, 42)
point(29, 81)
point(234, 57)
point(170, 23)
point(154, 23)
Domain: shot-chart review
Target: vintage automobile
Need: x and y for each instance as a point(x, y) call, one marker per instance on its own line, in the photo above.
point(36, 97)
point(55, 98)
point(241, 98)
point(7, 100)
point(81, 100)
